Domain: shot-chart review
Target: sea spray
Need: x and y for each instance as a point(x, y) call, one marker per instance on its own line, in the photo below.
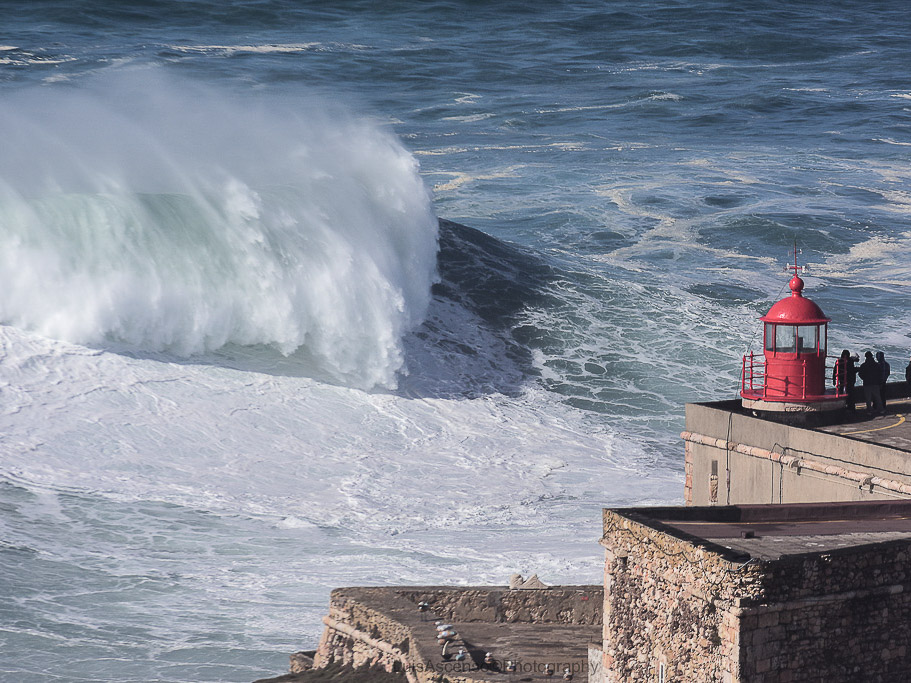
point(176, 219)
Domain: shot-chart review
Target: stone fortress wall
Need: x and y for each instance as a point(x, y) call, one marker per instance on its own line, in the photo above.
point(681, 609)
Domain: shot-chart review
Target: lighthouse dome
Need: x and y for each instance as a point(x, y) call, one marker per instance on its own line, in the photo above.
point(795, 309)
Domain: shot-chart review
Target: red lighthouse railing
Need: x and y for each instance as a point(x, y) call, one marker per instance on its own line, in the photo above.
point(755, 381)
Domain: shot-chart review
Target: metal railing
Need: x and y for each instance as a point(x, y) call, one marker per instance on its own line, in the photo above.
point(754, 380)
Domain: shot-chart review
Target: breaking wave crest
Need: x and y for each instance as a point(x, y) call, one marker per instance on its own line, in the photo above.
point(179, 220)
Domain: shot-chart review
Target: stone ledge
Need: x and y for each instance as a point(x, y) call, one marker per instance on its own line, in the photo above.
point(384, 627)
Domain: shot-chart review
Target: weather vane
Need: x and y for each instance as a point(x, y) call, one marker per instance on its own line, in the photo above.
point(794, 266)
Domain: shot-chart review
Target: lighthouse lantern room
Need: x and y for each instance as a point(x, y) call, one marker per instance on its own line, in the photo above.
point(790, 377)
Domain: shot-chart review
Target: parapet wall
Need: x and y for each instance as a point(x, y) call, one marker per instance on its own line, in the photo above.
point(836, 633)
point(733, 459)
point(502, 606)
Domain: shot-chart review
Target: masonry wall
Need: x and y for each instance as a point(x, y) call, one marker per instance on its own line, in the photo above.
point(667, 602)
point(555, 605)
point(357, 635)
point(836, 617)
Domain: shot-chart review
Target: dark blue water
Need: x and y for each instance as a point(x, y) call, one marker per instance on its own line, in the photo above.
point(639, 171)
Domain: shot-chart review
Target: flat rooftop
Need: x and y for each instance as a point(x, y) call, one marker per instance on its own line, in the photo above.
point(772, 532)
point(532, 645)
point(892, 429)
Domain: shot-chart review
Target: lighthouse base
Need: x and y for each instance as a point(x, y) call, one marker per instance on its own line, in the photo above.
point(808, 413)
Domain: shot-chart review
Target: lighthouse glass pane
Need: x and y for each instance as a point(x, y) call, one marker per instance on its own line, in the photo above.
point(785, 338)
point(806, 338)
point(769, 337)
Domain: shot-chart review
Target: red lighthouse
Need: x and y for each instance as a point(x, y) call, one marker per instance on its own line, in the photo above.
point(791, 378)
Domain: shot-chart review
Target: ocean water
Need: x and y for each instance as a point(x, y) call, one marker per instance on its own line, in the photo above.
point(241, 361)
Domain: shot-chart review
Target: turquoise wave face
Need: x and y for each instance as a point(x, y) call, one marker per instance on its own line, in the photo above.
point(170, 219)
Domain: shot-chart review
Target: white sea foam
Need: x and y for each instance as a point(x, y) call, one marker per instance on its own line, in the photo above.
point(467, 98)
point(591, 107)
point(564, 146)
point(172, 219)
point(231, 49)
point(655, 97)
point(469, 118)
point(890, 141)
point(30, 60)
point(304, 455)
point(669, 96)
point(269, 48)
point(878, 261)
point(442, 151)
point(460, 179)
point(687, 67)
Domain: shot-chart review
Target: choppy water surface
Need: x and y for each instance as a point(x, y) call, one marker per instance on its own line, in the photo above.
point(242, 364)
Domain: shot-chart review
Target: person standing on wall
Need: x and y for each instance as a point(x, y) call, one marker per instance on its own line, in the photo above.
point(908, 373)
point(884, 375)
point(871, 375)
point(844, 377)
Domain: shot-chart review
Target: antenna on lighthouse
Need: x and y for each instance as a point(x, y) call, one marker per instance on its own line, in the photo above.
point(798, 269)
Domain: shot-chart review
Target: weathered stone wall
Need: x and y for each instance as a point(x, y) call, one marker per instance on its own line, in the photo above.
point(833, 617)
point(670, 603)
point(357, 635)
point(564, 605)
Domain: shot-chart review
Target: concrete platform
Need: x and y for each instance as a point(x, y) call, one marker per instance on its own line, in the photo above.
point(532, 628)
point(765, 532)
point(735, 457)
point(892, 429)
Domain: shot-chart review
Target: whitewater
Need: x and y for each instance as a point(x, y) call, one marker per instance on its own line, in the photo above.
point(296, 296)
point(225, 378)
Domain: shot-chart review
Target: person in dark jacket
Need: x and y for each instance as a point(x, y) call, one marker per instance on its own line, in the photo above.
point(844, 376)
point(908, 373)
point(885, 369)
point(871, 375)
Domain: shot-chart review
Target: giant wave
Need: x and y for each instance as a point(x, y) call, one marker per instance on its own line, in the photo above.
point(170, 218)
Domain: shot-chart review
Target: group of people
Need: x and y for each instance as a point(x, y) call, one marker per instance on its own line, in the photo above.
point(873, 372)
